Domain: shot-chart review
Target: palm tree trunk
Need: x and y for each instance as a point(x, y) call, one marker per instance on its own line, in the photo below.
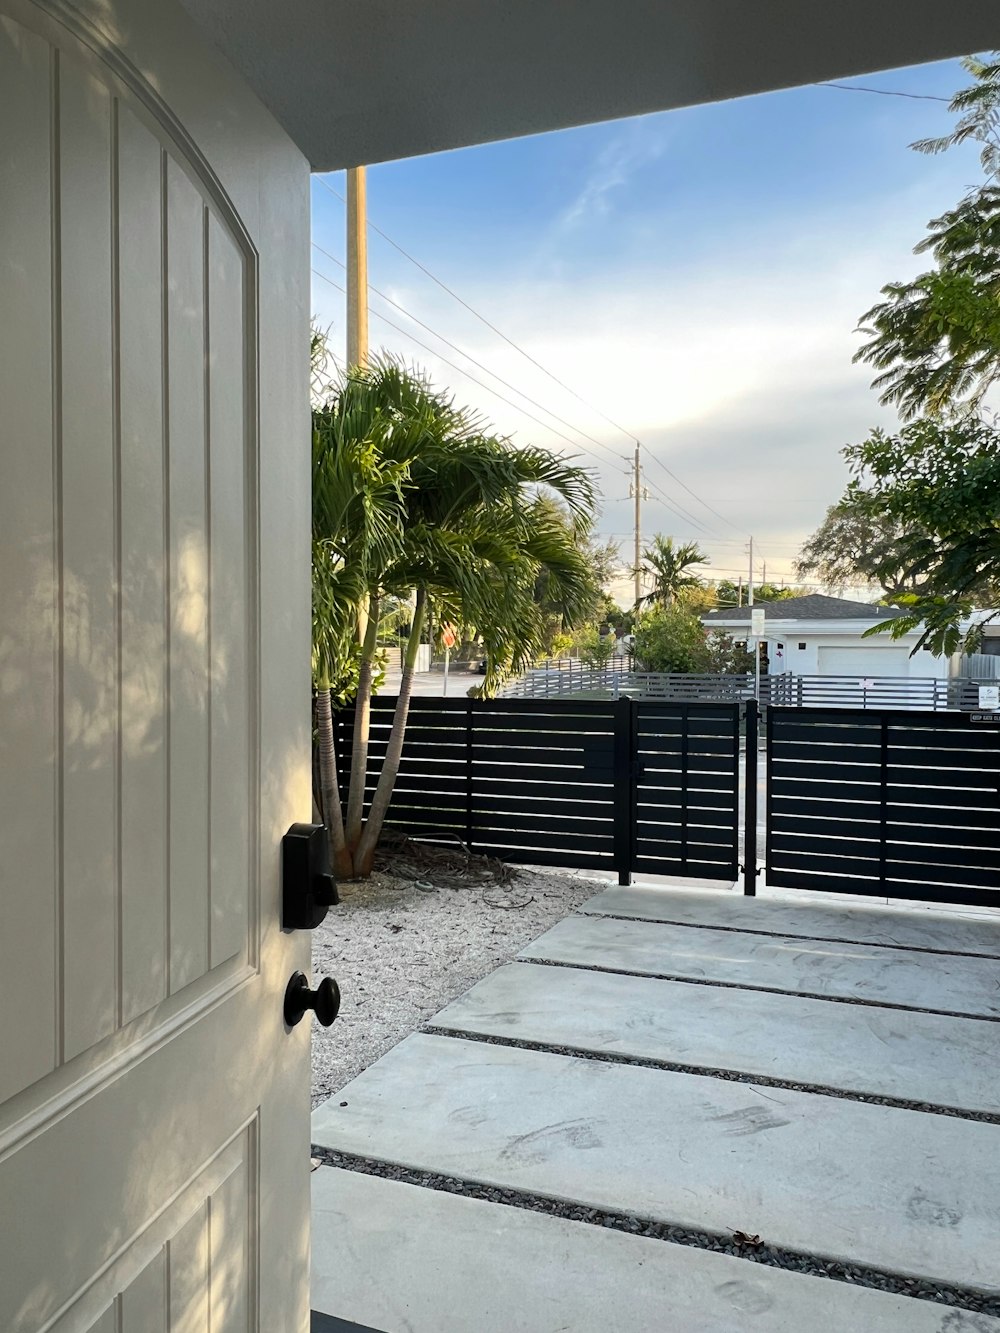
point(362, 726)
point(364, 856)
point(330, 786)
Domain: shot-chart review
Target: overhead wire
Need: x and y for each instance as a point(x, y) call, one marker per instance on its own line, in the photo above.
point(482, 318)
point(883, 92)
point(629, 435)
point(469, 357)
point(673, 506)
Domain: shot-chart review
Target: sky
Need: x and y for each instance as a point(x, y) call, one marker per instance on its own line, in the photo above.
point(694, 277)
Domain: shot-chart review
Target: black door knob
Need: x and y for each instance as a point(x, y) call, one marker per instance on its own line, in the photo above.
point(324, 1000)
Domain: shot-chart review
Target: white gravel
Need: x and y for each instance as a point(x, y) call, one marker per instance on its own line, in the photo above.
point(400, 953)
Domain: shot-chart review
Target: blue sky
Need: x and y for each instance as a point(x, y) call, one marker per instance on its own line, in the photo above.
point(695, 275)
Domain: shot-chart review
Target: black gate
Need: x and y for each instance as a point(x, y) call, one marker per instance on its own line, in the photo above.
point(619, 786)
point(685, 761)
point(889, 803)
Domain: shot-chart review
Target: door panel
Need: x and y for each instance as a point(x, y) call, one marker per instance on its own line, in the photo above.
point(154, 621)
point(28, 587)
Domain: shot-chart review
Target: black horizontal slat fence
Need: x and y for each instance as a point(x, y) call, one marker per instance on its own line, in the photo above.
point(898, 804)
point(617, 785)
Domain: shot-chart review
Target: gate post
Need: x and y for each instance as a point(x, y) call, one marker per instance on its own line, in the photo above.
point(624, 786)
point(752, 741)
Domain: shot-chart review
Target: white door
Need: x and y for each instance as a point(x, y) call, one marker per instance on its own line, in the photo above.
point(864, 661)
point(154, 709)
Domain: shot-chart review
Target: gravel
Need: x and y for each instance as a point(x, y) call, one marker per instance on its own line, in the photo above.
point(401, 949)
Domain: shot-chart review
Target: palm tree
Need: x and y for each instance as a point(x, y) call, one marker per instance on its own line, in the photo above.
point(474, 536)
point(670, 568)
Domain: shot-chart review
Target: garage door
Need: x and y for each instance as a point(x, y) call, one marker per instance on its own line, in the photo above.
point(867, 661)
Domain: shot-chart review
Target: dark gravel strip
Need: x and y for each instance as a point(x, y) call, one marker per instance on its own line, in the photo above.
point(730, 1075)
point(768, 990)
point(860, 1275)
point(784, 935)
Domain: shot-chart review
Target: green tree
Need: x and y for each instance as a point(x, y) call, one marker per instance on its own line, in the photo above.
point(727, 654)
point(935, 340)
point(474, 534)
point(671, 638)
point(856, 543)
point(940, 484)
point(600, 556)
point(670, 567)
point(729, 593)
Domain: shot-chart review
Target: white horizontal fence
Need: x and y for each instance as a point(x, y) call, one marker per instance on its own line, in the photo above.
point(567, 677)
point(957, 694)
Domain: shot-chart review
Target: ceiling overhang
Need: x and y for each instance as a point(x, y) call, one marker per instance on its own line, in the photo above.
point(362, 81)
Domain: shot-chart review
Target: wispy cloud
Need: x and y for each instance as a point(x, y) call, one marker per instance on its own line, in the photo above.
point(637, 144)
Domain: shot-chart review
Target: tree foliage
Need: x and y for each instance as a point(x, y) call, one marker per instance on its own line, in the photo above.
point(670, 568)
point(728, 654)
point(671, 638)
point(413, 494)
point(939, 484)
point(935, 340)
point(729, 593)
point(856, 543)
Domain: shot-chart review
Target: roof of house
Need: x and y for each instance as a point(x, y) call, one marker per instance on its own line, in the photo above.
point(812, 607)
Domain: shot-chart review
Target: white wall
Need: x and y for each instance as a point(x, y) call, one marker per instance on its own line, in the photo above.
point(805, 661)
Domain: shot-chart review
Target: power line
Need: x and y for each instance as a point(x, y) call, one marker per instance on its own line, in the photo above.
point(469, 357)
point(884, 92)
point(445, 361)
point(676, 508)
point(534, 361)
point(686, 487)
point(482, 318)
point(489, 389)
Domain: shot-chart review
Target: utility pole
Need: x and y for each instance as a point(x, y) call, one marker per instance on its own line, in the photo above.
point(357, 298)
point(357, 268)
point(739, 592)
point(750, 581)
point(637, 492)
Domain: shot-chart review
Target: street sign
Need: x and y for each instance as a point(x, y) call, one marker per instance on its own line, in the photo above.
point(448, 637)
point(989, 696)
point(757, 618)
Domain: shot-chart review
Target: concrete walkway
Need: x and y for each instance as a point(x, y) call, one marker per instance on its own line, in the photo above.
point(683, 1111)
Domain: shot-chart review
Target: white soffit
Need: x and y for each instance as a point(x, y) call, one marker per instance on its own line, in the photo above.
point(357, 81)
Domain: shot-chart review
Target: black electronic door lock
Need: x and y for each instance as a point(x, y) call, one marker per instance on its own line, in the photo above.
point(307, 886)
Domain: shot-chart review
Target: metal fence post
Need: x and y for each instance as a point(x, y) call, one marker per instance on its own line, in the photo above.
point(624, 781)
point(750, 800)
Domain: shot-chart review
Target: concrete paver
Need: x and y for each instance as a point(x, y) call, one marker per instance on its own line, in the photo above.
point(894, 1189)
point(862, 924)
point(410, 1260)
point(944, 982)
point(889, 1053)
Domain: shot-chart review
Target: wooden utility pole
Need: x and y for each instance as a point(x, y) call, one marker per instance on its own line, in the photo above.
point(750, 583)
point(357, 268)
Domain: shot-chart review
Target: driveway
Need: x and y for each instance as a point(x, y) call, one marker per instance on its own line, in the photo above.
point(682, 1110)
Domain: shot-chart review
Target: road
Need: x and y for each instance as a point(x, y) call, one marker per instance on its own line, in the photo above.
point(431, 683)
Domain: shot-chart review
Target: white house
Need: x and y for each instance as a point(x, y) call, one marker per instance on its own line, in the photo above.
point(825, 636)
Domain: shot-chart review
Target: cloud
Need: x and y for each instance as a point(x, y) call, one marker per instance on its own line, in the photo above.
point(729, 357)
point(635, 145)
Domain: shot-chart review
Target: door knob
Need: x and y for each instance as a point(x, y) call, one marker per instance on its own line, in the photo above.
point(324, 1000)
